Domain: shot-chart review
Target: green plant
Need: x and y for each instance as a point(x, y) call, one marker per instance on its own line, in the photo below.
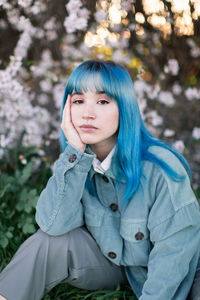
point(21, 182)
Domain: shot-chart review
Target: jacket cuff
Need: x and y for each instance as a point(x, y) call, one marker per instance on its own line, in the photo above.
point(73, 156)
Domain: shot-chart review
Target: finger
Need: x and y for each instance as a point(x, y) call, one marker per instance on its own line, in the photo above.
point(66, 111)
point(69, 107)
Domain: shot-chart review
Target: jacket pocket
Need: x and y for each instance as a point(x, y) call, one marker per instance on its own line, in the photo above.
point(136, 243)
point(93, 217)
point(93, 221)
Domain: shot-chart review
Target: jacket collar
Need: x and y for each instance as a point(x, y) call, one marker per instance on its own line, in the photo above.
point(104, 166)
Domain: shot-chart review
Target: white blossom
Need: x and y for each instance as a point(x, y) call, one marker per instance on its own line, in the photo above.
point(58, 92)
point(140, 87)
point(81, 23)
point(5, 4)
point(195, 52)
point(100, 16)
point(169, 132)
point(51, 35)
point(36, 162)
point(14, 65)
point(35, 9)
point(179, 145)
point(84, 13)
point(166, 98)
point(3, 24)
point(196, 133)
point(154, 118)
point(192, 93)
point(172, 67)
point(24, 3)
point(37, 71)
point(4, 141)
point(32, 139)
point(142, 105)
point(117, 56)
point(73, 6)
point(126, 5)
point(39, 33)
point(5, 79)
point(176, 89)
point(45, 85)
point(23, 44)
point(70, 38)
point(70, 23)
point(43, 99)
point(54, 135)
point(16, 89)
point(132, 26)
point(23, 159)
point(38, 7)
point(153, 91)
point(42, 115)
point(190, 42)
point(50, 24)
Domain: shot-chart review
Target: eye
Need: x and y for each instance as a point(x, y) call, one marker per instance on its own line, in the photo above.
point(102, 102)
point(77, 101)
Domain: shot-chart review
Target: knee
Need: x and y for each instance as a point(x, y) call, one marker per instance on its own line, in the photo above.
point(55, 244)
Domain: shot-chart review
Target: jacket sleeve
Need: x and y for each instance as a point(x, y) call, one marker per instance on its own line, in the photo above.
point(59, 208)
point(174, 225)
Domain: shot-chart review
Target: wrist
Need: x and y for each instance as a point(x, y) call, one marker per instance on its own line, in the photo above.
point(78, 146)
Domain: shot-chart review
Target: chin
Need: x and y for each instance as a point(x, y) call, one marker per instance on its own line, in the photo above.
point(89, 140)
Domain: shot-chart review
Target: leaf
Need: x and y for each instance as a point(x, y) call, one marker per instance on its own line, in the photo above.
point(26, 174)
point(4, 242)
point(5, 189)
point(33, 198)
point(9, 234)
point(27, 208)
point(28, 228)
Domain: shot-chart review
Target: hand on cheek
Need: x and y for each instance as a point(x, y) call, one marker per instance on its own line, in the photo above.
point(68, 128)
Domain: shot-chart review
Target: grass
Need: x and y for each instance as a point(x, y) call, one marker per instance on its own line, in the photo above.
point(20, 182)
point(64, 291)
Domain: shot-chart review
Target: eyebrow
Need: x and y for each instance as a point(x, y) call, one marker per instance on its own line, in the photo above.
point(100, 92)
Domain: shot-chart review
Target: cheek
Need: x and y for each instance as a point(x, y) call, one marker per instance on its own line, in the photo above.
point(74, 115)
point(113, 120)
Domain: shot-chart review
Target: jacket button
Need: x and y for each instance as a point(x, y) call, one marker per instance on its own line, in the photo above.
point(112, 255)
point(105, 178)
point(114, 207)
point(72, 158)
point(139, 236)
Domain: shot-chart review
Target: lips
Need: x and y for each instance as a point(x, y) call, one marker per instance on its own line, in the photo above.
point(88, 128)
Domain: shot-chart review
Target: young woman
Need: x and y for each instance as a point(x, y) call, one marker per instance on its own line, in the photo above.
point(119, 207)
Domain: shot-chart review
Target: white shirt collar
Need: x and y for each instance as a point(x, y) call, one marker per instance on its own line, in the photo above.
point(102, 167)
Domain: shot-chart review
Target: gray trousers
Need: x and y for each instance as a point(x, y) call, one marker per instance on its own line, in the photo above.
point(43, 261)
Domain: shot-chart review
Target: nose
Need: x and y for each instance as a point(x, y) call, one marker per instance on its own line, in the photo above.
point(88, 113)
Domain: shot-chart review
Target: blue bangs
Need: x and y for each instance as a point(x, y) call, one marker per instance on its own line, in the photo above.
point(96, 76)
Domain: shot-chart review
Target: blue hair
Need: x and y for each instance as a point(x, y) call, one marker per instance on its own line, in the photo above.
point(134, 139)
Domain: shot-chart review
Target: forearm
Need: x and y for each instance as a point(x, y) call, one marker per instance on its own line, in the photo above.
point(59, 208)
point(172, 265)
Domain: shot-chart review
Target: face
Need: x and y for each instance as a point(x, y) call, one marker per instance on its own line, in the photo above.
point(96, 117)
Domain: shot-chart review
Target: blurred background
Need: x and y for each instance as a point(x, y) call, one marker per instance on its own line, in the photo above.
point(158, 41)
